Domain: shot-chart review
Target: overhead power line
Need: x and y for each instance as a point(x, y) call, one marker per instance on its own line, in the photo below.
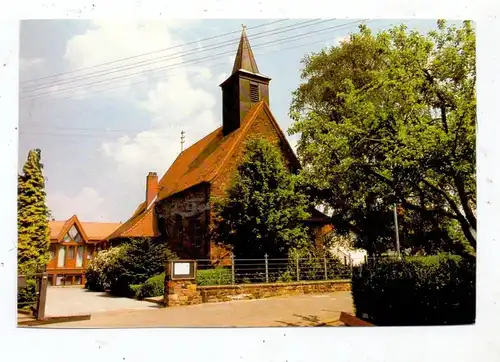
point(163, 58)
point(195, 61)
point(104, 132)
point(152, 52)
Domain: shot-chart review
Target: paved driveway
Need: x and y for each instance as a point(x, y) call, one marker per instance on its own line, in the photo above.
point(64, 301)
point(303, 310)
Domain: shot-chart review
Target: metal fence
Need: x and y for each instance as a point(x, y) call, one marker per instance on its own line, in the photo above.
point(271, 270)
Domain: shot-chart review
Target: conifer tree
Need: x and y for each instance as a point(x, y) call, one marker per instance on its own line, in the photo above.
point(32, 217)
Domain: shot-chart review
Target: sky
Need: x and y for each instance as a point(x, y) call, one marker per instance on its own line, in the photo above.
point(106, 101)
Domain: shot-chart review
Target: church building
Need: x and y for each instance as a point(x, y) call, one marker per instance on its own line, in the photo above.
point(181, 211)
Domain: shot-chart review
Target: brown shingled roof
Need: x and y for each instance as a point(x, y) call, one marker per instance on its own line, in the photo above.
point(141, 224)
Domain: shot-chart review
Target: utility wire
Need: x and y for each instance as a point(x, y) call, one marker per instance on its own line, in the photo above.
point(152, 52)
point(137, 130)
point(168, 57)
point(197, 60)
point(102, 132)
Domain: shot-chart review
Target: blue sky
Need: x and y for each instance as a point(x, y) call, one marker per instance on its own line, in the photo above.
point(103, 127)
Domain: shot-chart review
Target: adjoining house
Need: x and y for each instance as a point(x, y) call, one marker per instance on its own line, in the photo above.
point(73, 245)
point(181, 211)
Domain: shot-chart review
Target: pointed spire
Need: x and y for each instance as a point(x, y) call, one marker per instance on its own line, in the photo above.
point(244, 57)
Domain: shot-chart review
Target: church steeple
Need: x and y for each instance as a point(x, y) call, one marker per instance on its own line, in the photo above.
point(244, 87)
point(244, 56)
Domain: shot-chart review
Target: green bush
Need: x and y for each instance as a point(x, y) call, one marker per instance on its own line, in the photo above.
point(153, 287)
point(132, 263)
point(217, 276)
point(425, 290)
point(134, 288)
point(26, 297)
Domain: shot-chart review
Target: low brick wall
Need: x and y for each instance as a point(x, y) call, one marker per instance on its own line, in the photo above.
point(223, 293)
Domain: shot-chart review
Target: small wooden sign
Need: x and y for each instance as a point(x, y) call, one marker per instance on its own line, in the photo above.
point(182, 269)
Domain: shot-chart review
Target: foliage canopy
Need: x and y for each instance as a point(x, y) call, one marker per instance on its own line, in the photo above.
point(390, 118)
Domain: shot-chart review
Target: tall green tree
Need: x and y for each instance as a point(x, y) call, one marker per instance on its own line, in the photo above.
point(390, 118)
point(264, 210)
point(32, 217)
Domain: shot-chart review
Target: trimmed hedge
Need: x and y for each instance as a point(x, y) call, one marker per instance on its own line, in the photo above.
point(153, 287)
point(217, 276)
point(428, 290)
point(26, 297)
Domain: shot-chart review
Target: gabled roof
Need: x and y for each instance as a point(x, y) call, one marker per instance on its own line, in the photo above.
point(141, 224)
point(203, 161)
point(90, 231)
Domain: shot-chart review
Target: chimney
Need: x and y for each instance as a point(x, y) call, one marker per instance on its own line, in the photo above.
point(151, 187)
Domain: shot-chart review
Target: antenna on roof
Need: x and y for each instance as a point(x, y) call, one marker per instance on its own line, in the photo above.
point(183, 139)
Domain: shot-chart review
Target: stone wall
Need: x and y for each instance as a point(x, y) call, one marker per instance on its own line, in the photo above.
point(223, 293)
point(181, 292)
point(184, 222)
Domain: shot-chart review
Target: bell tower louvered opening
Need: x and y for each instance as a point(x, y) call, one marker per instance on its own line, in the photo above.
point(254, 93)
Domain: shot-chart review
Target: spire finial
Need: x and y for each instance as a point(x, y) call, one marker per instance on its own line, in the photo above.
point(244, 27)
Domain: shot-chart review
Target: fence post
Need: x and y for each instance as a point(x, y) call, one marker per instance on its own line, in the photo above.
point(267, 268)
point(42, 297)
point(326, 270)
point(298, 269)
point(232, 269)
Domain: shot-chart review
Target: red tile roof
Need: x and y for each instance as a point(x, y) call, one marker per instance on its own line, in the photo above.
point(202, 161)
point(91, 231)
point(199, 163)
point(141, 224)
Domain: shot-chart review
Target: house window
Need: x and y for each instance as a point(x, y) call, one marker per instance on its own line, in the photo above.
point(89, 254)
point(59, 280)
point(67, 238)
point(254, 93)
point(71, 252)
point(78, 238)
point(52, 252)
point(78, 279)
point(61, 257)
point(72, 232)
point(79, 256)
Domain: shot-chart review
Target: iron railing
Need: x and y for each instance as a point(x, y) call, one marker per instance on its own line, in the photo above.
point(270, 270)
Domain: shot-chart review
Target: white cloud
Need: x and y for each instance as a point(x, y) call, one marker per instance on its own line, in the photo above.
point(28, 64)
point(87, 205)
point(177, 101)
